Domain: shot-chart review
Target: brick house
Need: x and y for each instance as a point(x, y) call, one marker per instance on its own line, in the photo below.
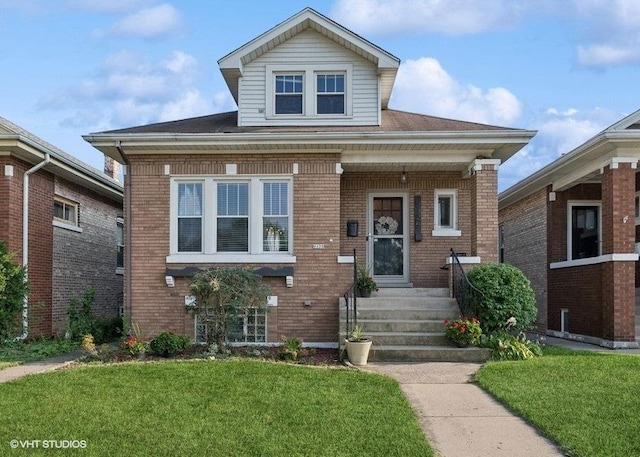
point(67, 230)
point(312, 166)
point(573, 228)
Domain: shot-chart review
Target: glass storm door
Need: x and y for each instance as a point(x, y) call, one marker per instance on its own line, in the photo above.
point(387, 243)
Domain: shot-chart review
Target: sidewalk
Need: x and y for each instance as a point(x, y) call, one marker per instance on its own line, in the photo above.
point(460, 418)
point(53, 363)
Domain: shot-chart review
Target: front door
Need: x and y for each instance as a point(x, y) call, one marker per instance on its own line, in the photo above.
point(387, 251)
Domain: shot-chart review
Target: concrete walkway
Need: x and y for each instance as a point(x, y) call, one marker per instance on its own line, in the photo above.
point(53, 363)
point(458, 417)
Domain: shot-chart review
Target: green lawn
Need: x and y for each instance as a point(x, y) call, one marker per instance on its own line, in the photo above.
point(226, 408)
point(589, 403)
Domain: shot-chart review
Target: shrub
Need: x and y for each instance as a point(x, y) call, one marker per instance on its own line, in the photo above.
point(505, 346)
point(83, 321)
point(169, 343)
point(13, 289)
point(507, 293)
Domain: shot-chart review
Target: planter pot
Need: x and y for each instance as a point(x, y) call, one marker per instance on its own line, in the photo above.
point(358, 351)
point(365, 293)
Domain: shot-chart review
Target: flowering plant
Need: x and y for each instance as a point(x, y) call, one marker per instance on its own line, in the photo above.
point(134, 345)
point(365, 282)
point(463, 330)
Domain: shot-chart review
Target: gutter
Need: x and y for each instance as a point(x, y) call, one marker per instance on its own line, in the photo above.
point(127, 227)
point(25, 239)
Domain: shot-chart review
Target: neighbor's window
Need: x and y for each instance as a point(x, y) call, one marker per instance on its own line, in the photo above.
point(119, 244)
point(445, 213)
point(584, 230)
point(190, 217)
point(637, 204)
point(330, 94)
point(65, 211)
point(289, 95)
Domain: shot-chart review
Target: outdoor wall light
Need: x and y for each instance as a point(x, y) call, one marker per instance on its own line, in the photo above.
point(404, 177)
point(170, 281)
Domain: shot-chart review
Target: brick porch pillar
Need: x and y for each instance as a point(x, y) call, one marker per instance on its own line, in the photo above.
point(618, 238)
point(484, 209)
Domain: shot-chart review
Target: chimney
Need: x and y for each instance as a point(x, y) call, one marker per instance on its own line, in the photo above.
point(111, 168)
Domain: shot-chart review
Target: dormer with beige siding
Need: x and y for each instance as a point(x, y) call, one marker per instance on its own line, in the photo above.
point(309, 70)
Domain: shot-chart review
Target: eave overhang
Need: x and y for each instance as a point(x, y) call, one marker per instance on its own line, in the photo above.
point(581, 165)
point(26, 149)
point(389, 150)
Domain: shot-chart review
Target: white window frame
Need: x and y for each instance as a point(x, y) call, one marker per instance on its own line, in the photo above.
point(577, 203)
point(318, 94)
point(309, 90)
point(256, 253)
point(439, 230)
point(285, 94)
point(119, 223)
point(73, 225)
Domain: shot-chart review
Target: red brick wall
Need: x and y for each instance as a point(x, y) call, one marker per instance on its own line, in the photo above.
point(484, 214)
point(524, 229)
point(40, 236)
point(426, 256)
point(317, 275)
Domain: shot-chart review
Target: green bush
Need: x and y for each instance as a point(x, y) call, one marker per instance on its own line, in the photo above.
point(82, 321)
point(169, 343)
point(507, 293)
point(13, 289)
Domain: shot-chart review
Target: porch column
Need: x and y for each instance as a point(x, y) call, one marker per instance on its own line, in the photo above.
point(618, 241)
point(484, 209)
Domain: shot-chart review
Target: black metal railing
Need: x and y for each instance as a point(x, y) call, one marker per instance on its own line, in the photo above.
point(351, 300)
point(468, 296)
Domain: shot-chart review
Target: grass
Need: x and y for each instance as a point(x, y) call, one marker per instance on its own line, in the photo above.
point(230, 408)
point(587, 402)
point(18, 351)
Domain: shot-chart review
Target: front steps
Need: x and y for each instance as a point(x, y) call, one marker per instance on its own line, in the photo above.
point(406, 326)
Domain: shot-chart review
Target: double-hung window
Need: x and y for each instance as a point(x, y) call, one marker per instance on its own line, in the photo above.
point(65, 211)
point(330, 94)
point(119, 245)
point(446, 213)
point(231, 219)
point(289, 94)
point(584, 230)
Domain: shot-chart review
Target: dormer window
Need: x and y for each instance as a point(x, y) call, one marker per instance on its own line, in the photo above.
point(330, 94)
point(298, 93)
point(289, 95)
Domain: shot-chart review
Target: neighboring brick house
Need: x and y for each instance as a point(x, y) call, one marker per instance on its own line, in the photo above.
point(572, 227)
point(74, 225)
point(280, 185)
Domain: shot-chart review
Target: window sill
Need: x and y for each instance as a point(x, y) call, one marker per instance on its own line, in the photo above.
point(231, 258)
point(119, 270)
point(446, 232)
point(594, 260)
point(62, 225)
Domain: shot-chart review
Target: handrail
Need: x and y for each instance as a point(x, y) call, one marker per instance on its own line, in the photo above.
point(350, 297)
point(468, 296)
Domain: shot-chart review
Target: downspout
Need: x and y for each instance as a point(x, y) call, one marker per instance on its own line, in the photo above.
point(127, 228)
point(25, 239)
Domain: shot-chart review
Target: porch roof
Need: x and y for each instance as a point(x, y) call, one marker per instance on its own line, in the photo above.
point(403, 139)
point(584, 163)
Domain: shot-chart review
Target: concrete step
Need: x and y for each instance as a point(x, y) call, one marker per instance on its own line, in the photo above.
point(406, 338)
point(397, 325)
point(407, 302)
point(404, 314)
point(403, 353)
point(411, 292)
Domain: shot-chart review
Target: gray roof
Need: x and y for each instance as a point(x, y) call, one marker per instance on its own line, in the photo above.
point(392, 121)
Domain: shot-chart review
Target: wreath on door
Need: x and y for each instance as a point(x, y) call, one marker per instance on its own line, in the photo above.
point(386, 225)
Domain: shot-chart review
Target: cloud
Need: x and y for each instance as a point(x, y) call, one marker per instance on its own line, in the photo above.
point(149, 22)
point(451, 17)
point(559, 132)
point(610, 34)
point(131, 89)
point(106, 5)
point(423, 86)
